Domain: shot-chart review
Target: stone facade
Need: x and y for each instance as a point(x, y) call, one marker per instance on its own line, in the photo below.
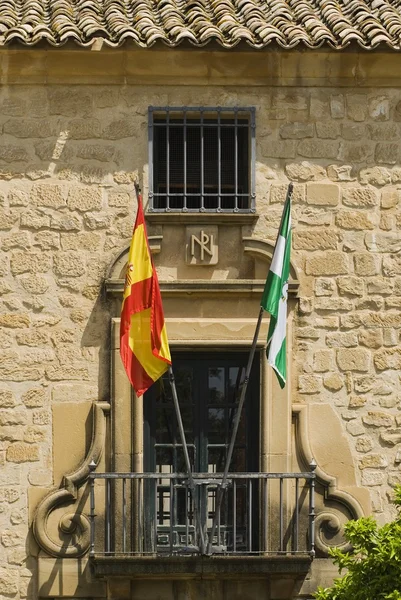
point(71, 151)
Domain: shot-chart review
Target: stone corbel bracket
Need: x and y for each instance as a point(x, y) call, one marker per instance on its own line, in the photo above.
point(328, 524)
point(74, 530)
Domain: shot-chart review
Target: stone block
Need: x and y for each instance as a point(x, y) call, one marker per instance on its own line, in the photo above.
point(337, 106)
point(41, 417)
point(365, 264)
point(357, 401)
point(34, 434)
point(355, 428)
point(391, 437)
point(120, 129)
point(371, 338)
point(348, 284)
point(28, 337)
point(7, 219)
point(305, 171)
point(34, 285)
point(120, 200)
point(364, 444)
point(327, 263)
point(278, 193)
point(387, 153)
point(333, 382)
point(96, 152)
point(47, 240)
point(29, 128)
point(383, 132)
point(334, 304)
point(70, 101)
point(388, 358)
point(316, 239)
point(87, 240)
point(380, 285)
point(378, 419)
point(30, 262)
point(392, 265)
point(69, 264)
point(32, 220)
point(14, 320)
point(340, 173)
point(328, 130)
point(381, 319)
point(84, 129)
point(67, 373)
point(379, 108)
point(383, 242)
point(66, 223)
point(357, 106)
point(9, 578)
point(7, 399)
point(372, 478)
point(386, 222)
point(126, 177)
point(21, 452)
point(84, 198)
point(296, 131)
point(19, 239)
point(356, 152)
point(97, 221)
point(353, 131)
point(341, 339)
point(34, 398)
point(353, 359)
point(323, 361)
point(375, 176)
point(323, 194)
point(90, 174)
point(354, 219)
point(49, 195)
point(309, 384)
point(280, 149)
point(318, 149)
point(359, 197)
point(324, 286)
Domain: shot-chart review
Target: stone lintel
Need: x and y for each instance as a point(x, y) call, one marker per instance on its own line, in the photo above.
point(115, 287)
point(188, 567)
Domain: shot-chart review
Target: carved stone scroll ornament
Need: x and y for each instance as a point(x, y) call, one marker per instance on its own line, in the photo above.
point(334, 507)
point(72, 538)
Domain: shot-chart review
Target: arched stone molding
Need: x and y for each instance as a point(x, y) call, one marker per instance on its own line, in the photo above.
point(341, 498)
point(73, 534)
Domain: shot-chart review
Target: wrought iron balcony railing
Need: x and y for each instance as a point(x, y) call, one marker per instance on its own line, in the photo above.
point(158, 514)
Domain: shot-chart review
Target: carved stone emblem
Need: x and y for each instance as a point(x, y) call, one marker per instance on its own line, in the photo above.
point(202, 245)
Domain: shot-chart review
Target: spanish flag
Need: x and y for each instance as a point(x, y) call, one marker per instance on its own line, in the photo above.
point(144, 346)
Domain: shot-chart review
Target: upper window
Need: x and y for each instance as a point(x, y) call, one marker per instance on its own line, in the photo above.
point(202, 159)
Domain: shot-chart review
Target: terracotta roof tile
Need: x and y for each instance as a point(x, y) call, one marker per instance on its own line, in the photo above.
point(313, 23)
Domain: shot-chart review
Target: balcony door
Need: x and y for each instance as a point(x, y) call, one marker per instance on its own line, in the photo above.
point(208, 387)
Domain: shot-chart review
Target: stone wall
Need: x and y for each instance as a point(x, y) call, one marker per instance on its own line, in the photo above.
point(69, 156)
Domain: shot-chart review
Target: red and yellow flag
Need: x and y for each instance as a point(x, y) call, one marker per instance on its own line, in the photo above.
point(144, 346)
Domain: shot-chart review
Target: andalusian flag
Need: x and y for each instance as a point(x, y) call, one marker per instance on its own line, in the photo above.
point(274, 299)
point(143, 338)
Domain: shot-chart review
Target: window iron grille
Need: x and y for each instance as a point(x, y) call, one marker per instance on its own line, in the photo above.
point(202, 159)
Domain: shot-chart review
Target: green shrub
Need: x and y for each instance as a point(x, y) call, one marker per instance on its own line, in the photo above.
point(373, 567)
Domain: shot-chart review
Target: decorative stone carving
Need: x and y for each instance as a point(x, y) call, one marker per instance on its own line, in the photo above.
point(72, 538)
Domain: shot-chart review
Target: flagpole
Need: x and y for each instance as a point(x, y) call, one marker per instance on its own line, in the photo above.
point(221, 488)
point(186, 456)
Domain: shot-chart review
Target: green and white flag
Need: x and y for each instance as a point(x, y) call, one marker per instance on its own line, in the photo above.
point(274, 299)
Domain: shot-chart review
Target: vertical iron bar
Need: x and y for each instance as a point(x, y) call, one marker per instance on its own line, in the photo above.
point(266, 515)
point(253, 159)
point(140, 516)
point(235, 516)
point(236, 158)
point(250, 482)
point(168, 159)
point(186, 455)
point(155, 521)
point(296, 514)
point(202, 162)
point(150, 133)
point(92, 510)
point(108, 513)
point(172, 507)
point(185, 160)
point(186, 516)
point(219, 156)
point(221, 488)
point(312, 466)
point(219, 529)
point(281, 515)
point(124, 503)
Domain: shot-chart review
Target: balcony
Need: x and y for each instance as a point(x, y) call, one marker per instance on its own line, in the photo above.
point(155, 521)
